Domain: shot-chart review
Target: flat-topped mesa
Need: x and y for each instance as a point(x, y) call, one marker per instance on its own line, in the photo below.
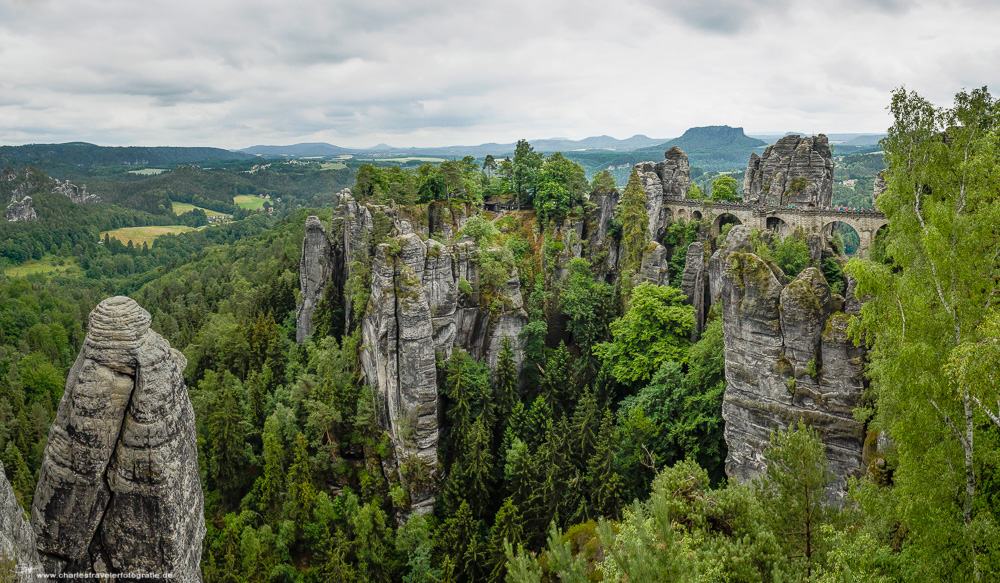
point(667, 179)
point(795, 170)
point(315, 271)
point(118, 490)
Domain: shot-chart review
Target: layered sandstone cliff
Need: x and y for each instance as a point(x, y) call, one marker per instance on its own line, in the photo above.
point(118, 490)
point(315, 272)
point(667, 179)
point(18, 555)
point(795, 170)
point(788, 357)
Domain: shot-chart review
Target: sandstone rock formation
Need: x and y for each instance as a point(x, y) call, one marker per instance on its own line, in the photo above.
point(77, 194)
point(655, 267)
point(118, 490)
point(670, 178)
point(880, 185)
point(694, 285)
point(795, 170)
point(315, 271)
point(17, 540)
point(599, 223)
point(787, 357)
point(21, 210)
point(418, 311)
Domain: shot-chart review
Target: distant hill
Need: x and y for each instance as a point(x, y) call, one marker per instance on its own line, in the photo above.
point(547, 146)
point(710, 147)
point(68, 159)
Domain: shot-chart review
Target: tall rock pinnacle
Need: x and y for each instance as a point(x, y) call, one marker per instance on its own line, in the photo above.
point(118, 490)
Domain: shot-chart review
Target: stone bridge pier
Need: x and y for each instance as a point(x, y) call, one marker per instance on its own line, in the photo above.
point(782, 220)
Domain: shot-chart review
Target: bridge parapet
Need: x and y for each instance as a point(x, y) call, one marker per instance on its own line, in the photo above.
point(866, 222)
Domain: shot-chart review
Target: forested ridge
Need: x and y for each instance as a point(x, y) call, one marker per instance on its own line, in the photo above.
point(603, 459)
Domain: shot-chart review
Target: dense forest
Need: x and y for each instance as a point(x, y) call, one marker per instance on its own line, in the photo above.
point(603, 459)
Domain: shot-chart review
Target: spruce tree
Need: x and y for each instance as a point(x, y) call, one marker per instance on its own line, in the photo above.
point(635, 224)
point(479, 468)
point(301, 492)
point(507, 529)
point(505, 381)
point(603, 481)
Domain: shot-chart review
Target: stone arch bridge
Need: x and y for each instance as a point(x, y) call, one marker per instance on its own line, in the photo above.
point(783, 220)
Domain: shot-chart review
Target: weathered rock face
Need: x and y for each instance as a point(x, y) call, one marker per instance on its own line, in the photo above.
point(118, 490)
point(17, 540)
point(599, 219)
point(795, 170)
point(655, 266)
point(880, 185)
point(21, 210)
point(670, 178)
point(787, 358)
point(77, 194)
point(315, 271)
point(418, 310)
point(694, 285)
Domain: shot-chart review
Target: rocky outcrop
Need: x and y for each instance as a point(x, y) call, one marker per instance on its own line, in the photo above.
point(795, 170)
point(668, 179)
point(880, 185)
point(21, 210)
point(17, 540)
point(694, 285)
point(118, 490)
point(599, 241)
point(77, 194)
point(787, 358)
point(655, 267)
point(315, 272)
point(419, 310)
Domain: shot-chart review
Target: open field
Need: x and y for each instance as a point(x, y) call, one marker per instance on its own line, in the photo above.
point(47, 265)
point(245, 201)
point(148, 171)
point(140, 235)
point(183, 207)
point(333, 166)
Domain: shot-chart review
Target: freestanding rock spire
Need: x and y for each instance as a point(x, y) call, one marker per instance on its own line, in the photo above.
point(118, 490)
point(315, 270)
point(17, 541)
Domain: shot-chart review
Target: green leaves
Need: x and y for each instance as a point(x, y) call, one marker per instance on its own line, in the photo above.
point(654, 330)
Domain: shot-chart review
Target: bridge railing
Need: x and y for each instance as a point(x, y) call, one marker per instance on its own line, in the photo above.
point(767, 210)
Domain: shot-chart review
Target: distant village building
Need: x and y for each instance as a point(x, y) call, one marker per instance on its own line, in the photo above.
point(850, 182)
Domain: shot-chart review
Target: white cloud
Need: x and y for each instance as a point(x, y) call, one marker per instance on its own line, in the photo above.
point(232, 74)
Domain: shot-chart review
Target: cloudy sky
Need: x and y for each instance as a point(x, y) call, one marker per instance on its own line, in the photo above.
point(425, 73)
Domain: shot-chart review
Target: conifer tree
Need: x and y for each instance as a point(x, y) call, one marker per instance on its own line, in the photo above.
point(479, 468)
point(505, 381)
point(269, 486)
point(301, 492)
point(507, 529)
point(583, 428)
point(556, 385)
point(603, 481)
point(635, 224)
point(227, 444)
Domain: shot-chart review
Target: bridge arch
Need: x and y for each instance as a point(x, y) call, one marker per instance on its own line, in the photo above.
point(778, 225)
point(850, 235)
point(722, 220)
point(681, 214)
point(695, 215)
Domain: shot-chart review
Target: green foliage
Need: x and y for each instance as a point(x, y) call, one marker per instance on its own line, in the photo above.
point(724, 189)
point(482, 230)
point(586, 303)
point(635, 224)
point(653, 330)
point(603, 183)
point(561, 187)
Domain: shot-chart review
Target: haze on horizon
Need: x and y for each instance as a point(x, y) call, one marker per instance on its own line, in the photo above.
point(235, 74)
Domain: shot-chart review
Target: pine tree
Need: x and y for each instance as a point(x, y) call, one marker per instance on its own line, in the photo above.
point(479, 468)
point(269, 486)
point(301, 492)
point(507, 529)
point(603, 481)
point(505, 380)
point(227, 441)
point(635, 224)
